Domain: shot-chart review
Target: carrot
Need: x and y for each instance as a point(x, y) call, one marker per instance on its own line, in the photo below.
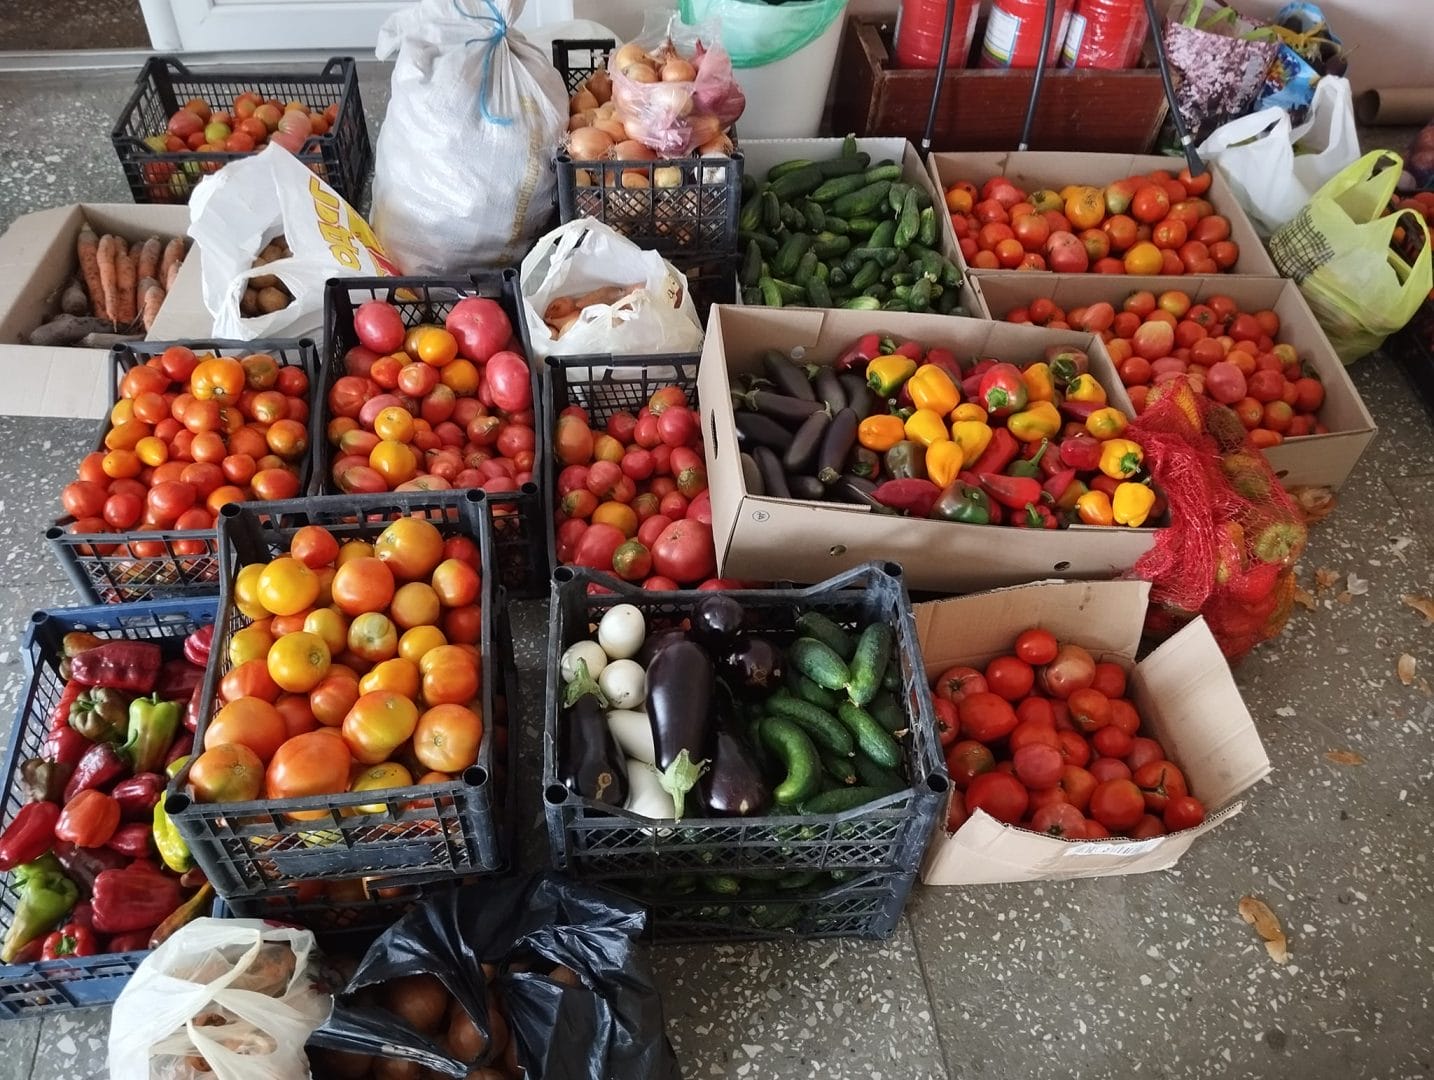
point(151, 297)
point(170, 277)
point(106, 255)
point(173, 256)
point(147, 264)
point(128, 303)
point(87, 250)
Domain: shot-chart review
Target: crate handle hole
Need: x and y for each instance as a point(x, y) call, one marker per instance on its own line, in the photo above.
point(231, 510)
point(937, 783)
point(892, 569)
point(39, 618)
point(836, 550)
point(475, 776)
point(555, 794)
point(563, 574)
point(1062, 565)
point(476, 496)
point(176, 803)
point(54, 532)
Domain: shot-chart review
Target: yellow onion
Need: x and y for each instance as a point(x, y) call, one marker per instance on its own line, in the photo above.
point(583, 101)
point(705, 128)
point(721, 146)
point(629, 54)
point(580, 120)
point(640, 73)
point(613, 127)
point(600, 84)
point(583, 178)
point(634, 178)
point(632, 150)
point(667, 176)
point(678, 70)
point(671, 100)
point(589, 144)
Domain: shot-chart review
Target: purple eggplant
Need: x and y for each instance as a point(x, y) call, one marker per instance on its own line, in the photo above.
point(733, 785)
point(679, 708)
point(590, 763)
point(716, 622)
point(754, 667)
point(658, 640)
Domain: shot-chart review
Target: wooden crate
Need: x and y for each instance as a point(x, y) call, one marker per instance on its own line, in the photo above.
point(1088, 109)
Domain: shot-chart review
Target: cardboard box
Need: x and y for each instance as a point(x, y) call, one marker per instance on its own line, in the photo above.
point(37, 258)
point(1187, 700)
point(769, 539)
point(1035, 169)
point(1319, 460)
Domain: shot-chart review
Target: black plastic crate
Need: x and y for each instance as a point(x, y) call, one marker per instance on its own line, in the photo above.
point(577, 58)
point(519, 534)
point(358, 907)
point(710, 281)
point(595, 842)
point(83, 981)
point(252, 849)
point(342, 157)
point(604, 385)
point(866, 905)
point(128, 567)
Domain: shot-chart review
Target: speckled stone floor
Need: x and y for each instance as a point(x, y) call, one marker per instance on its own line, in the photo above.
point(72, 24)
point(1150, 976)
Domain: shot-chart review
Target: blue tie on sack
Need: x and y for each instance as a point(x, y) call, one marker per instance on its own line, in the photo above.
point(499, 32)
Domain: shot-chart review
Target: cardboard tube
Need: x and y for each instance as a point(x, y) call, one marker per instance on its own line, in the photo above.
point(1400, 106)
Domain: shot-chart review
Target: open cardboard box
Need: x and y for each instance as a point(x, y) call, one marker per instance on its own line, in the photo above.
point(37, 258)
point(1185, 694)
point(759, 155)
point(1318, 460)
point(769, 539)
point(1035, 169)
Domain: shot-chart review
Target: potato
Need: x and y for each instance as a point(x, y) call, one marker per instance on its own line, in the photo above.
point(271, 300)
point(393, 1069)
point(565, 976)
point(421, 1000)
point(264, 281)
point(464, 1041)
point(340, 1065)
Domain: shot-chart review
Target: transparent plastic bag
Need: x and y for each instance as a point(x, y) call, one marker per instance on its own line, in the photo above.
point(240, 994)
point(674, 118)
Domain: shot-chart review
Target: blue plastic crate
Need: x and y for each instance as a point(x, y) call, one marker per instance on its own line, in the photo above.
point(79, 982)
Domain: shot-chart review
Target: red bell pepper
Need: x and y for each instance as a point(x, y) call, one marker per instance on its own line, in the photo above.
point(131, 666)
point(82, 914)
point(1057, 484)
point(912, 350)
point(1003, 391)
point(1080, 452)
point(30, 953)
point(130, 941)
point(914, 497)
point(29, 835)
point(181, 747)
point(100, 767)
point(177, 680)
point(1000, 452)
point(192, 710)
point(1011, 491)
point(198, 644)
point(1080, 410)
point(860, 353)
point(132, 840)
point(86, 864)
point(1107, 484)
point(1072, 428)
point(983, 365)
point(1034, 516)
point(64, 746)
point(72, 939)
point(970, 387)
point(133, 899)
point(89, 819)
point(946, 360)
point(60, 717)
point(137, 795)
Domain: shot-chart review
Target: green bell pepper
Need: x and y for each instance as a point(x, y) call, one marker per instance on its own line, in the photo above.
point(964, 503)
point(152, 727)
point(46, 897)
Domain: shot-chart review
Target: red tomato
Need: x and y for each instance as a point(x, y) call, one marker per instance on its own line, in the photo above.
point(1148, 827)
point(967, 760)
point(379, 326)
point(1105, 768)
point(1036, 710)
point(598, 545)
point(1117, 804)
point(1124, 717)
point(1160, 782)
point(1038, 765)
point(1010, 677)
point(1089, 710)
point(1142, 752)
point(999, 794)
point(1184, 812)
point(1078, 784)
point(1073, 669)
point(948, 721)
point(1059, 819)
point(1109, 679)
point(1074, 747)
point(509, 381)
point(986, 717)
point(957, 683)
point(1033, 733)
point(1036, 646)
point(481, 327)
point(956, 812)
point(685, 552)
point(1110, 741)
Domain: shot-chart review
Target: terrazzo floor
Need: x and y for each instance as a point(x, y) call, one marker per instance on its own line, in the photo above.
point(1148, 976)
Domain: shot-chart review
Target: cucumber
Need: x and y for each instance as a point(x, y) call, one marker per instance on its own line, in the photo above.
point(909, 222)
point(797, 755)
point(751, 270)
point(776, 172)
point(680, 885)
point(820, 663)
point(842, 800)
point(920, 297)
point(771, 211)
point(786, 259)
point(882, 236)
point(871, 738)
point(723, 884)
point(814, 624)
point(864, 201)
point(842, 166)
point(926, 234)
point(803, 688)
point(896, 197)
point(862, 303)
point(815, 216)
point(824, 729)
point(886, 172)
point(931, 263)
point(887, 712)
point(792, 219)
point(873, 775)
point(867, 276)
point(765, 243)
point(818, 295)
point(862, 226)
point(835, 225)
point(829, 245)
point(892, 679)
point(840, 769)
point(884, 257)
point(838, 278)
point(798, 879)
point(752, 296)
point(806, 269)
point(791, 294)
point(771, 295)
point(751, 215)
point(837, 186)
point(895, 304)
point(876, 292)
point(849, 147)
point(946, 303)
point(798, 182)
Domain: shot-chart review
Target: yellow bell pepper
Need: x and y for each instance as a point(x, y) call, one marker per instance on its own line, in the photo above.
point(1106, 423)
point(944, 461)
point(926, 426)
point(1040, 383)
point(968, 410)
point(1120, 458)
point(1039, 420)
point(931, 388)
point(1132, 504)
point(1084, 388)
point(1094, 509)
point(973, 436)
point(885, 374)
point(880, 432)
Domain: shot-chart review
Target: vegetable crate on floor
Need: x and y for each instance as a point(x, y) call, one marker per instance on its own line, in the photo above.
point(356, 907)
point(604, 385)
point(82, 981)
point(342, 157)
point(779, 904)
point(518, 529)
point(595, 842)
point(683, 205)
point(123, 568)
point(459, 827)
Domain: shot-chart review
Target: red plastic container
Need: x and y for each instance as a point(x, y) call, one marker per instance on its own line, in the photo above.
point(918, 33)
point(1013, 34)
point(1105, 34)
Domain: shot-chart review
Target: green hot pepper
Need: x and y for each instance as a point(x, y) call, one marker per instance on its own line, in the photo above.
point(964, 503)
point(152, 726)
point(906, 461)
point(101, 714)
point(46, 897)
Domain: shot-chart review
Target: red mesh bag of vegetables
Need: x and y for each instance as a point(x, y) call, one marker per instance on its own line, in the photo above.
point(1234, 534)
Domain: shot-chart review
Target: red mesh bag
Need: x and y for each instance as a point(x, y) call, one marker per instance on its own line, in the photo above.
point(1234, 534)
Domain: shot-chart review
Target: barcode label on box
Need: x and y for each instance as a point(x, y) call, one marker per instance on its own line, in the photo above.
point(1107, 847)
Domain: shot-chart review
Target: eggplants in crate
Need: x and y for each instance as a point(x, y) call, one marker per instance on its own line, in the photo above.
point(609, 1027)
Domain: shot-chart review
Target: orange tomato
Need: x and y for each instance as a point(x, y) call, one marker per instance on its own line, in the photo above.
point(1144, 258)
point(119, 464)
point(456, 583)
point(314, 546)
point(362, 584)
point(247, 721)
point(246, 591)
point(433, 345)
point(373, 637)
point(446, 738)
point(289, 624)
point(450, 675)
point(394, 461)
point(218, 379)
point(1151, 204)
point(397, 674)
point(287, 587)
point(463, 625)
point(462, 377)
point(410, 547)
point(249, 679)
point(228, 773)
point(333, 697)
point(329, 624)
point(287, 438)
point(1085, 207)
point(416, 642)
point(298, 661)
point(152, 450)
point(394, 423)
point(313, 763)
point(414, 604)
point(261, 371)
point(378, 724)
point(382, 777)
point(297, 713)
point(353, 549)
point(221, 496)
point(251, 643)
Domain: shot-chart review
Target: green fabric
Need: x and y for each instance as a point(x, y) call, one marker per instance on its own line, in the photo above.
point(756, 33)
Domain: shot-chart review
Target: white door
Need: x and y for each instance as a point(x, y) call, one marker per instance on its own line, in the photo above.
point(339, 26)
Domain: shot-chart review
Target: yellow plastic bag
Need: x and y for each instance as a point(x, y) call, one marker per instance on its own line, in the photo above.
point(1338, 250)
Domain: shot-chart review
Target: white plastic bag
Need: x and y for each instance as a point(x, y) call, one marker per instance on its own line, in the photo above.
point(250, 985)
point(586, 254)
point(235, 212)
point(1275, 168)
point(463, 174)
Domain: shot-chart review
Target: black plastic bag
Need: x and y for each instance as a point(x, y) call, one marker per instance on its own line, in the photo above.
point(610, 1028)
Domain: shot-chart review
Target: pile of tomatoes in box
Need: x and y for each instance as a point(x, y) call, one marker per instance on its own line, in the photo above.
point(188, 435)
point(1046, 739)
point(432, 407)
point(1229, 355)
point(632, 498)
point(1155, 223)
point(358, 671)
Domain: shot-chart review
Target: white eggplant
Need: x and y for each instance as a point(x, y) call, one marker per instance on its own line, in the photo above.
point(624, 684)
point(622, 631)
point(589, 652)
point(645, 794)
point(633, 732)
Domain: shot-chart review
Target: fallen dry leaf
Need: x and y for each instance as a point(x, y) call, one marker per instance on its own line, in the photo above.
point(1345, 597)
point(1344, 757)
point(1304, 599)
point(1258, 914)
point(1325, 579)
point(1357, 585)
point(1422, 604)
point(1404, 668)
point(1315, 503)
